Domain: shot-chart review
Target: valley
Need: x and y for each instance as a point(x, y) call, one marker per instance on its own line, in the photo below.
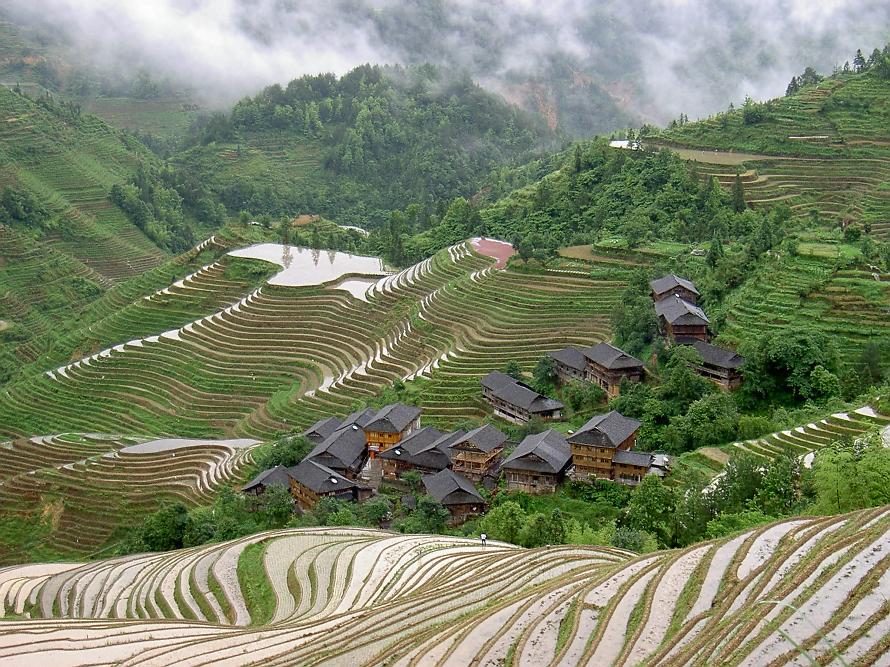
point(381, 367)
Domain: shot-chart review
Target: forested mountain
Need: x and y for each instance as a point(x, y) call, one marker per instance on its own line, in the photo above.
point(355, 148)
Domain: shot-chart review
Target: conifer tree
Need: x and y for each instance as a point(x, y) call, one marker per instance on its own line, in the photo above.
point(738, 194)
point(859, 61)
point(715, 252)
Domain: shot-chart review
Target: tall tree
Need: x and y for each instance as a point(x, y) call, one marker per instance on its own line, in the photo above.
point(859, 63)
point(738, 194)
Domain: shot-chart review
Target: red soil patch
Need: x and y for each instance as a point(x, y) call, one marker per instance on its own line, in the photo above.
point(499, 250)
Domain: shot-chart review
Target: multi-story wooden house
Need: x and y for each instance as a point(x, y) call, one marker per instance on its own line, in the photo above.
point(538, 464)
point(595, 444)
point(345, 451)
point(604, 364)
point(311, 481)
point(681, 321)
point(456, 493)
point(389, 426)
point(517, 402)
point(477, 453)
point(426, 451)
point(671, 285)
point(720, 365)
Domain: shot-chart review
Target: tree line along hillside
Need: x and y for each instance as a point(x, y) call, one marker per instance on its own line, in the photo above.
point(357, 147)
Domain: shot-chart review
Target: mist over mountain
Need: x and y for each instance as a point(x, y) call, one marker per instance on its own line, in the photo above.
point(570, 60)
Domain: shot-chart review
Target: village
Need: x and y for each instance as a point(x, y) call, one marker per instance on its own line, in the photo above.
point(351, 457)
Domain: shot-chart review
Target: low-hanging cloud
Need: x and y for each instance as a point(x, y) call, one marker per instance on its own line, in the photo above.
point(675, 55)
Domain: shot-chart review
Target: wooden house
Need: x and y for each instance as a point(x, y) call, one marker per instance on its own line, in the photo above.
point(477, 454)
point(311, 481)
point(321, 429)
point(344, 451)
point(456, 493)
point(720, 365)
point(594, 445)
point(672, 285)
point(427, 451)
point(604, 364)
point(681, 321)
point(538, 464)
point(517, 402)
point(631, 467)
point(390, 425)
point(277, 476)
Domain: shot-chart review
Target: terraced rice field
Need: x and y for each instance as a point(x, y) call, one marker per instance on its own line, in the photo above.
point(840, 189)
point(850, 304)
point(831, 153)
point(802, 440)
point(784, 594)
point(280, 356)
point(71, 168)
point(81, 488)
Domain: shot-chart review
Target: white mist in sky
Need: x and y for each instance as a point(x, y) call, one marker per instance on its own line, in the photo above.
point(691, 56)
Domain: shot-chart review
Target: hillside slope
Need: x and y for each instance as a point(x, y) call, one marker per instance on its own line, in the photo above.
point(69, 162)
point(66, 496)
point(793, 592)
point(824, 151)
point(239, 360)
point(357, 147)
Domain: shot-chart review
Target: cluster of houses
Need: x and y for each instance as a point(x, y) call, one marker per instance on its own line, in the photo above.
point(392, 441)
point(683, 322)
point(452, 464)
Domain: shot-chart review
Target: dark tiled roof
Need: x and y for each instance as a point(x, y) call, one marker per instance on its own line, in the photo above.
point(321, 429)
point(671, 282)
point(679, 311)
point(449, 488)
point(485, 438)
point(718, 356)
point(426, 448)
point(393, 418)
point(611, 357)
point(344, 449)
point(515, 393)
point(360, 418)
point(544, 452)
point(319, 478)
point(571, 357)
point(639, 459)
point(273, 476)
point(608, 430)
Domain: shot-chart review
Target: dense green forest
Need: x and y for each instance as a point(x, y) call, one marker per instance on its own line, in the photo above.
point(356, 148)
